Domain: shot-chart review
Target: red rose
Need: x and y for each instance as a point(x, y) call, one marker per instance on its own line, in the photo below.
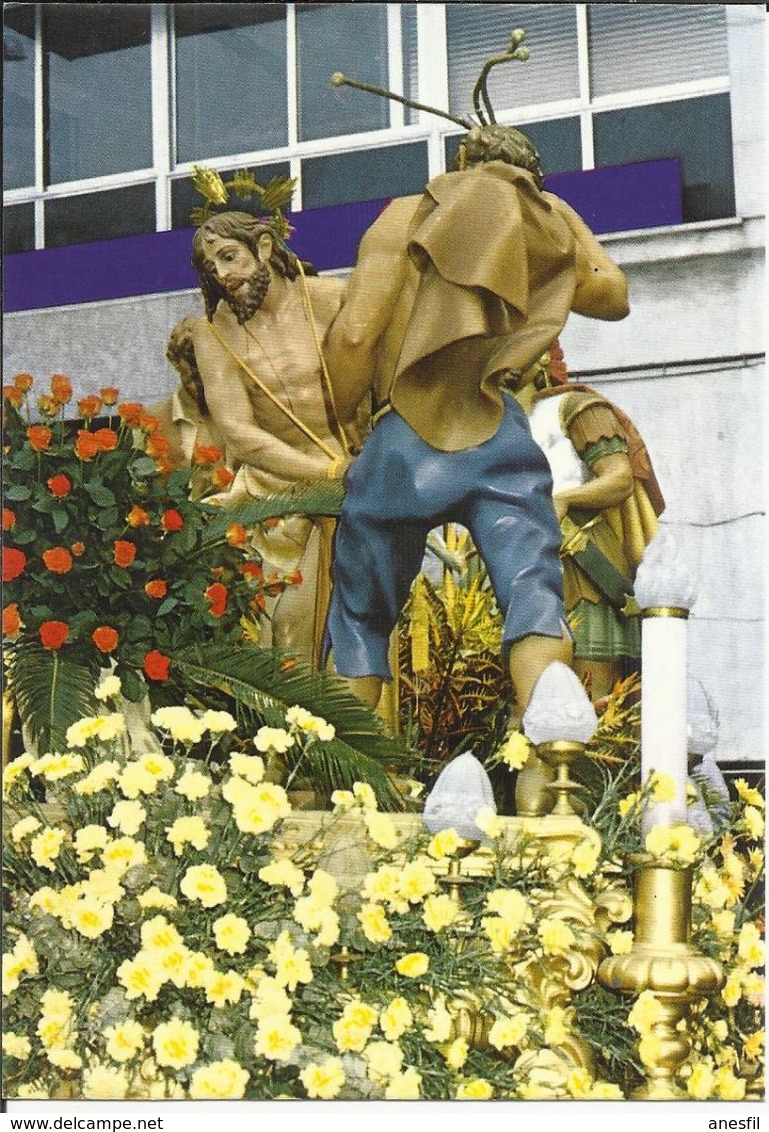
point(53, 634)
point(58, 560)
point(294, 579)
point(105, 638)
point(130, 412)
point(9, 519)
point(106, 439)
point(137, 517)
point(11, 621)
point(251, 569)
point(14, 562)
point(61, 388)
point(89, 406)
point(14, 395)
point(217, 595)
point(39, 437)
point(86, 446)
point(60, 485)
point(206, 454)
point(222, 477)
point(124, 552)
point(156, 588)
point(172, 520)
point(24, 381)
point(149, 423)
point(156, 665)
point(109, 395)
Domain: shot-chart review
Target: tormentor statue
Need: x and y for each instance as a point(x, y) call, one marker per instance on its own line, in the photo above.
point(456, 292)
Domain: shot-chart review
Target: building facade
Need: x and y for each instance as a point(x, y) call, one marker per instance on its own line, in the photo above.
point(649, 120)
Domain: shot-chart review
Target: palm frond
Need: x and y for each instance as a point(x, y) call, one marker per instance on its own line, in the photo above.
point(313, 497)
point(337, 766)
point(262, 679)
point(52, 692)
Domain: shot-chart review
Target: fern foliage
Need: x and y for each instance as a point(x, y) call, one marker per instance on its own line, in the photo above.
point(52, 692)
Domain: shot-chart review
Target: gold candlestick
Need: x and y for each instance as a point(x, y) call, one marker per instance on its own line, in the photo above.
point(663, 961)
point(559, 755)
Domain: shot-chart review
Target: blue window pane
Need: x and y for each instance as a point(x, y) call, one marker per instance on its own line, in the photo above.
point(184, 197)
point(100, 216)
point(557, 142)
point(379, 174)
point(18, 228)
point(341, 37)
point(97, 60)
point(230, 79)
point(696, 130)
point(18, 99)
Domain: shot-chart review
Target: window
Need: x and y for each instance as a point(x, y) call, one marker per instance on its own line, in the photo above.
point(184, 196)
point(19, 228)
point(110, 99)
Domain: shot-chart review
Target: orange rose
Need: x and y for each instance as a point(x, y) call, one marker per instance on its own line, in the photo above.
point(124, 552)
point(53, 634)
point(156, 588)
point(39, 437)
point(130, 412)
point(58, 560)
point(47, 405)
point(217, 595)
point(109, 394)
point(251, 570)
point(9, 519)
point(89, 406)
point(105, 638)
point(294, 579)
point(137, 517)
point(24, 381)
point(236, 534)
point(157, 446)
point(156, 665)
point(171, 520)
point(106, 439)
point(11, 621)
point(86, 446)
point(61, 388)
point(14, 395)
point(206, 454)
point(60, 485)
point(78, 548)
point(147, 423)
point(222, 477)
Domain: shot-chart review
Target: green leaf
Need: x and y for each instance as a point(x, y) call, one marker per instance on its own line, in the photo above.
point(101, 495)
point(105, 519)
point(143, 468)
point(132, 685)
point(18, 492)
point(313, 497)
point(52, 691)
point(167, 605)
point(24, 460)
point(60, 520)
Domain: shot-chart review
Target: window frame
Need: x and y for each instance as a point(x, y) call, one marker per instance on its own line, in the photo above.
point(432, 56)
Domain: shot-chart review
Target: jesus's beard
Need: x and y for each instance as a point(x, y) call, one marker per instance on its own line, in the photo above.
point(249, 296)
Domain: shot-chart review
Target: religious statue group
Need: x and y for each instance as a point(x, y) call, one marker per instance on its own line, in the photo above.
point(434, 382)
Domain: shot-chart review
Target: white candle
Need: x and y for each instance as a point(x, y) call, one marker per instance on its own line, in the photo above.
point(665, 591)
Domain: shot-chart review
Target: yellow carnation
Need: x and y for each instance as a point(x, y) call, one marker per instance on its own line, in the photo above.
point(175, 1043)
point(456, 1053)
point(514, 752)
point(103, 1083)
point(374, 923)
point(223, 988)
point(205, 884)
point(276, 1037)
point(439, 912)
point(625, 805)
point(46, 846)
point(156, 898)
point(416, 881)
point(380, 829)
point(323, 1080)
point(728, 1086)
point(444, 844)
point(250, 767)
point(556, 936)
point(220, 1081)
point(511, 905)
point(476, 1089)
point(89, 840)
point(125, 1040)
point(646, 1012)
point(439, 1023)
point(584, 858)
point(701, 1083)
point(412, 965)
point(23, 828)
point(677, 844)
point(365, 795)
point(92, 918)
point(556, 1031)
point(193, 785)
point(232, 934)
point(13, 771)
point(753, 820)
point(16, 1045)
point(395, 1019)
point(292, 965)
point(101, 777)
point(124, 853)
point(621, 943)
point(663, 787)
point(188, 831)
point(128, 817)
point(404, 1086)
point(749, 794)
point(269, 997)
point(284, 873)
point(55, 767)
point(509, 1031)
point(141, 976)
point(385, 1060)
